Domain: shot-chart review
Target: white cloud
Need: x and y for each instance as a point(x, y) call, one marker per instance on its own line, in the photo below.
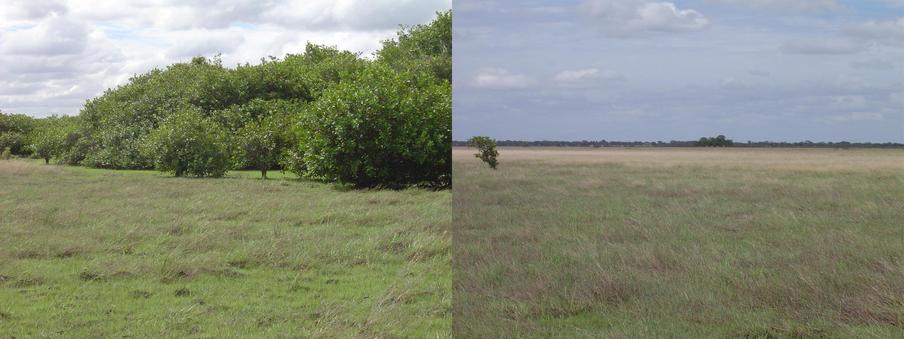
point(849, 101)
point(577, 75)
point(897, 99)
point(53, 36)
point(731, 83)
point(19, 11)
point(854, 39)
point(353, 14)
point(872, 64)
point(583, 75)
point(624, 18)
point(55, 54)
point(498, 78)
point(786, 5)
point(823, 46)
point(892, 3)
point(205, 42)
point(884, 32)
point(858, 116)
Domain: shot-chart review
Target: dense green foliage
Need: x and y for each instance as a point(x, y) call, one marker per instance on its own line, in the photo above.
point(718, 141)
point(486, 150)
point(278, 114)
point(188, 143)
point(53, 137)
point(264, 141)
point(14, 130)
point(390, 125)
point(424, 48)
point(381, 129)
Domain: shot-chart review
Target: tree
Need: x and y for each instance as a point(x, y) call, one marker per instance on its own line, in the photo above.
point(718, 141)
point(44, 145)
point(486, 149)
point(187, 143)
point(380, 128)
point(118, 121)
point(263, 142)
point(49, 138)
point(14, 131)
point(422, 48)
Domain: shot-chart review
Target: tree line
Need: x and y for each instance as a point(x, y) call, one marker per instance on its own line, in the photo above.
point(681, 143)
point(325, 114)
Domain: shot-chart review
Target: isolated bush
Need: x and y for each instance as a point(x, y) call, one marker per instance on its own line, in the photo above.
point(486, 149)
point(188, 144)
point(380, 128)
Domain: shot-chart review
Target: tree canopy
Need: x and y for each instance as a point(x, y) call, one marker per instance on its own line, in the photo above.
point(324, 113)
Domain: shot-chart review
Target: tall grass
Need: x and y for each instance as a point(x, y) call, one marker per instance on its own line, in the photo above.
point(679, 243)
point(97, 253)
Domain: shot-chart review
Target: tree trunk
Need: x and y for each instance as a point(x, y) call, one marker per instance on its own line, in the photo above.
point(263, 174)
point(46, 161)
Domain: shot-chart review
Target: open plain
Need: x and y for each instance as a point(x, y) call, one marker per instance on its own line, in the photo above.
point(101, 253)
point(678, 242)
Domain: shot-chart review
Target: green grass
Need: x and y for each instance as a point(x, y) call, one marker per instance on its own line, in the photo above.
point(97, 253)
point(679, 243)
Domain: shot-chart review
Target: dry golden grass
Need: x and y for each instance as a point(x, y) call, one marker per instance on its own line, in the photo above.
point(17, 167)
point(748, 158)
point(679, 243)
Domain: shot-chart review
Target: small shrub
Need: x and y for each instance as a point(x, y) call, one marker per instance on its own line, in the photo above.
point(6, 154)
point(189, 144)
point(486, 150)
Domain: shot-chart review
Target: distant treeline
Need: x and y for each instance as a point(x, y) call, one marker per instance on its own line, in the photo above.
point(324, 114)
point(681, 143)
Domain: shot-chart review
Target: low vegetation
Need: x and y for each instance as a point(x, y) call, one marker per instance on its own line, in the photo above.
point(486, 150)
point(99, 253)
point(679, 243)
point(717, 141)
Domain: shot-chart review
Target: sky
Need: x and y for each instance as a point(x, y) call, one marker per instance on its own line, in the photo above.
point(56, 54)
point(778, 70)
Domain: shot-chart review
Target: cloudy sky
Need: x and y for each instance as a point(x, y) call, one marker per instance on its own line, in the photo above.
point(55, 54)
point(782, 70)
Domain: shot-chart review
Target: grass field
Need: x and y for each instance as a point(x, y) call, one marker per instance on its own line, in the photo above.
point(679, 243)
point(97, 253)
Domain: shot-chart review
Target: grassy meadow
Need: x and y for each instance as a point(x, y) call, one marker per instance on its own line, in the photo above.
point(690, 243)
point(99, 253)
